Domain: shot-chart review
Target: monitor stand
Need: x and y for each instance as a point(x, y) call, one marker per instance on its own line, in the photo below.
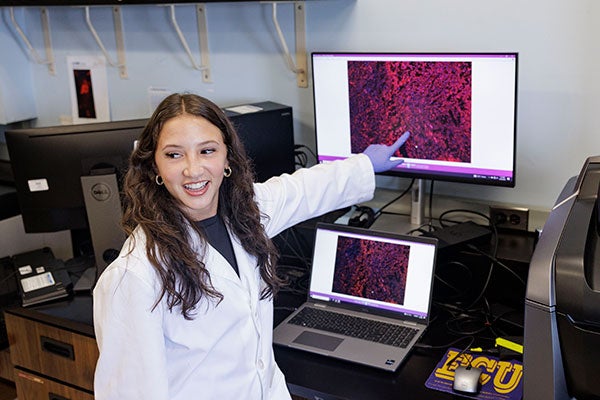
point(86, 281)
point(417, 210)
point(103, 207)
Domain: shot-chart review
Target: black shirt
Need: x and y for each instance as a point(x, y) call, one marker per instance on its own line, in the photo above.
point(218, 237)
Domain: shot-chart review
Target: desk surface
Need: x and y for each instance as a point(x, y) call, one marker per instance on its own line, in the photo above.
point(74, 314)
point(317, 377)
point(309, 375)
point(314, 376)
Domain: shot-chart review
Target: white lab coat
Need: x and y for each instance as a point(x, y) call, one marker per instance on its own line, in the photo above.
point(225, 352)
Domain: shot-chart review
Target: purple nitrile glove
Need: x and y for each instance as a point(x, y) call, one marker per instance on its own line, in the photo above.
point(380, 154)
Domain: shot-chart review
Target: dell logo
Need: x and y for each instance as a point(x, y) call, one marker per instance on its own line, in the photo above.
point(100, 192)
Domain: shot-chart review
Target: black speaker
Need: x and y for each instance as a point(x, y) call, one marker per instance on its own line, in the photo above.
point(267, 131)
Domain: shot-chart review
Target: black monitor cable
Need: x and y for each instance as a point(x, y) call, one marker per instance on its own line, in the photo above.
point(484, 287)
point(430, 222)
point(498, 262)
point(463, 351)
point(441, 218)
point(492, 256)
point(472, 321)
point(471, 340)
point(458, 292)
point(445, 346)
point(9, 276)
point(296, 279)
point(395, 199)
point(301, 157)
point(291, 242)
point(480, 322)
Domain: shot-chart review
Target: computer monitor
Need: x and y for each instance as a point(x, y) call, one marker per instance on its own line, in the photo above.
point(68, 178)
point(460, 109)
point(267, 131)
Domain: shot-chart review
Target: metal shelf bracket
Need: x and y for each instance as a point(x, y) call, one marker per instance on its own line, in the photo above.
point(300, 66)
point(297, 66)
point(204, 65)
point(121, 63)
point(49, 61)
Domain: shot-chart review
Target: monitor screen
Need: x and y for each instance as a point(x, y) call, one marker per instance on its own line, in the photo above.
point(48, 163)
point(460, 109)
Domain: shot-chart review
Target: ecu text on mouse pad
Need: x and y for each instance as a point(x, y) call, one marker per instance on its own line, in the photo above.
point(500, 380)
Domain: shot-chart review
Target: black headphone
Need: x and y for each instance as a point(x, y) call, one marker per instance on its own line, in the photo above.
point(363, 217)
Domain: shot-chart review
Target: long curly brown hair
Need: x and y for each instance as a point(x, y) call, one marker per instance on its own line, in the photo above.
point(185, 278)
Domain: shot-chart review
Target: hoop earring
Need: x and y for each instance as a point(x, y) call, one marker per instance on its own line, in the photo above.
point(159, 180)
point(227, 172)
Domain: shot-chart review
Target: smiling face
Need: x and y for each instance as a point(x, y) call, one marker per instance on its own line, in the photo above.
point(190, 157)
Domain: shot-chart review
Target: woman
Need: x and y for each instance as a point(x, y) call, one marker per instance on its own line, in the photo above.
point(186, 311)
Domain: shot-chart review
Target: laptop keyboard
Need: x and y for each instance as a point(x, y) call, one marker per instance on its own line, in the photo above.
point(357, 327)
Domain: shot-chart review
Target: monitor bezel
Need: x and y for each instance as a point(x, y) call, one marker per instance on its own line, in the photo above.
point(431, 175)
point(72, 213)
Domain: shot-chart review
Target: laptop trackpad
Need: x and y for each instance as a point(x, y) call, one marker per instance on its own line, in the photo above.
point(317, 340)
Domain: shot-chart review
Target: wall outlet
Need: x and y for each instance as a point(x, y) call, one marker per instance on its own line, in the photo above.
point(510, 217)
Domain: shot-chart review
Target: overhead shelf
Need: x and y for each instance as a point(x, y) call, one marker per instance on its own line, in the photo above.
point(47, 3)
point(297, 66)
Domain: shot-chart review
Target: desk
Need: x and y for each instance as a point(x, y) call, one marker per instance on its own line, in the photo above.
point(53, 350)
point(309, 376)
point(318, 377)
point(314, 376)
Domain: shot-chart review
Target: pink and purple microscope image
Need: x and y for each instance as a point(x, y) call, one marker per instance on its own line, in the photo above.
point(432, 100)
point(371, 269)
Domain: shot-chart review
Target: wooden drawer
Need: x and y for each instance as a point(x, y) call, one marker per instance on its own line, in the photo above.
point(33, 387)
point(52, 351)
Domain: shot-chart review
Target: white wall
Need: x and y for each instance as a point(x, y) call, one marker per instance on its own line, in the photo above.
point(14, 240)
point(557, 41)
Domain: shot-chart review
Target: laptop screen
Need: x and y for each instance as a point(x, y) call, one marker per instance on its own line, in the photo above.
point(373, 269)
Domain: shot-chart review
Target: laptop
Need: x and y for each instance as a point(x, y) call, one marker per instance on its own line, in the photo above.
point(361, 276)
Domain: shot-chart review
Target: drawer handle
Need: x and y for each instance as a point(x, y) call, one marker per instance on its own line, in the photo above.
point(59, 348)
point(54, 396)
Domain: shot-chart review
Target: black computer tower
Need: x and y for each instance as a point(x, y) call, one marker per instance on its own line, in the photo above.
point(267, 131)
